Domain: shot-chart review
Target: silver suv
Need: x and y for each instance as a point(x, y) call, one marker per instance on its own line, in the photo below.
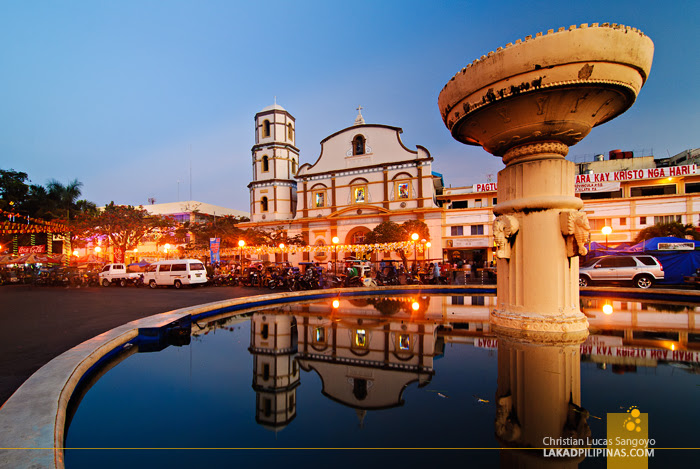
point(642, 270)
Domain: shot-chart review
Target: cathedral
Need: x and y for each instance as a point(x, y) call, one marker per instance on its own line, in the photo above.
point(364, 176)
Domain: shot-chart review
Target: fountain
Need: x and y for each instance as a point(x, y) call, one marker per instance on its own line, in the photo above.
point(527, 103)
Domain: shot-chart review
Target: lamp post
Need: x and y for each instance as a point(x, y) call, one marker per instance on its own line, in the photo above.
point(97, 252)
point(241, 243)
point(415, 237)
point(427, 249)
point(606, 231)
point(282, 251)
point(166, 248)
point(335, 240)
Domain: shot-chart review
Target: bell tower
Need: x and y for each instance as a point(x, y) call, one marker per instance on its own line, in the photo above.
point(273, 190)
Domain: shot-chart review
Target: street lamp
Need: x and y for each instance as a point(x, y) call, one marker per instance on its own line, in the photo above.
point(167, 248)
point(415, 237)
point(97, 252)
point(282, 251)
point(335, 242)
point(606, 231)
point(427, 248)
point(241, 243)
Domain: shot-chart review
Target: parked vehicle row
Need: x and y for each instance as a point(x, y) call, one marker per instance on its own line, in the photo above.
point(641, 269)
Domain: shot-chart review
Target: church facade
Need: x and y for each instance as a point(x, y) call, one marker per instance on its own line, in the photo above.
point(364, 176)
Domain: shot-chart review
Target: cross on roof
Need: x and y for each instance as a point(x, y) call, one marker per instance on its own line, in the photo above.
point(359, 120)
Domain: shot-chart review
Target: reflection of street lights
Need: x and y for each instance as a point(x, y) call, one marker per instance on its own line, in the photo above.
point(336, 240)
point(241, 243)
point(606, 231)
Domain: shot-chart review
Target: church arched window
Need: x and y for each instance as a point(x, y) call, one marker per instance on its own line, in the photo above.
point(358, 145)
point(265, 164)
point(266, 128)
point(294, 167)
point(263, 204)
point(290, 132)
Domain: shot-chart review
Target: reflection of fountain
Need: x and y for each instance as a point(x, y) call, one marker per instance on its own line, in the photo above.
point(528, 103)
point(538, 398)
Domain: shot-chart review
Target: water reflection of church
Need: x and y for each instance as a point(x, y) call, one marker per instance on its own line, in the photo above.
point(366, 352)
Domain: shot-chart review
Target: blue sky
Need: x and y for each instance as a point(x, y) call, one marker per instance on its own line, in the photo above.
point(126, 96)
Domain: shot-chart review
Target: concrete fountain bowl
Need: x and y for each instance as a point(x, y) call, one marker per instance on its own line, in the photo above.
point(550, 87)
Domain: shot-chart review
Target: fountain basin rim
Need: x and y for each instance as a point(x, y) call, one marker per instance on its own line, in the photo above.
point(623, 45)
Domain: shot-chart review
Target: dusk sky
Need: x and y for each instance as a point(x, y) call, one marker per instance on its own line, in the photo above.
point(125, 95)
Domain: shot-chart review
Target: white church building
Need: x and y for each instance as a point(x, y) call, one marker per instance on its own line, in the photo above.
point(364, 176)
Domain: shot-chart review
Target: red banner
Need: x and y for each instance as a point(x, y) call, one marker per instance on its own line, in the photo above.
point(32, 249)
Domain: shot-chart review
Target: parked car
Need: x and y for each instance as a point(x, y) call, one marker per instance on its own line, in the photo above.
point(177, 273)
point(117, 274)
point(642, 270)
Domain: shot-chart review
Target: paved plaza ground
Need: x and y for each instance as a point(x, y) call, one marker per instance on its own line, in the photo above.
point(43, 322)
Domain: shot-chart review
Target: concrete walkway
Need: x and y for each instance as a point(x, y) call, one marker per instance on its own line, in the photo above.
point(43, 322)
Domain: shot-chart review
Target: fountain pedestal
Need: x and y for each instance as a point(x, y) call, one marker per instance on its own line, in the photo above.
point(528, 103)
point(537, 279)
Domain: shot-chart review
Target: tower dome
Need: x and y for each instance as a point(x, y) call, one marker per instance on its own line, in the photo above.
point(273, 107)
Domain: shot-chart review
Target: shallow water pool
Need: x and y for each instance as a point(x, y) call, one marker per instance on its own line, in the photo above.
point(404, 380)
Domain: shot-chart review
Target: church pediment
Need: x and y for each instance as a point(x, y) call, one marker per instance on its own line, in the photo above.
point(362, 146)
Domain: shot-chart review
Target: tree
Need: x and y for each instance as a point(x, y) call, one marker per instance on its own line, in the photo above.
point(273, 238)
point(13, 189)
point(124, 225)
point(391, 232)
point(416, 226)
point(224, 227)
point(674, 229)
point(64, 197)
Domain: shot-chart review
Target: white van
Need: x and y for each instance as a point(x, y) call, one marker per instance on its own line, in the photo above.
point(176, 272)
